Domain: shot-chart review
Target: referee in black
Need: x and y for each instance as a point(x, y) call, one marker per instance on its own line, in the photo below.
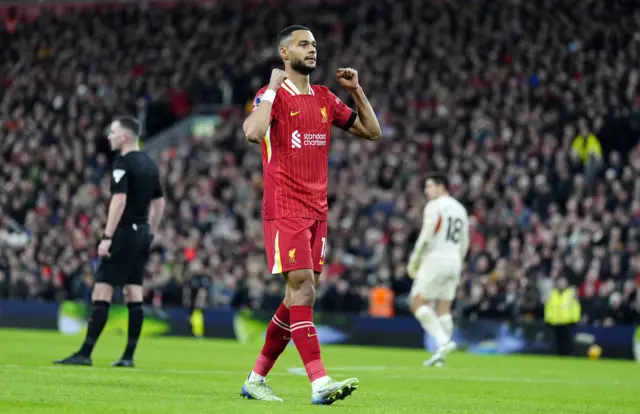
point(135, 210)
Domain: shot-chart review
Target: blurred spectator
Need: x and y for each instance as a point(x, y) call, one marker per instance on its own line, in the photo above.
point(586, 147)
point(562, 311)
point(381, 301)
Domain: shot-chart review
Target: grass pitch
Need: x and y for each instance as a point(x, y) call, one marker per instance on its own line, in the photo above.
point(183, 375)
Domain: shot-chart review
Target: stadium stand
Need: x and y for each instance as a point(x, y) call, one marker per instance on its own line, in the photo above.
point(534, 115)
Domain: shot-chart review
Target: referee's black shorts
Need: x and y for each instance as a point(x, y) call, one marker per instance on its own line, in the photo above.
point(129, 252)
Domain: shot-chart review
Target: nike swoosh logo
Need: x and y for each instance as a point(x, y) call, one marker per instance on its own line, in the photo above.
point(286, 338)
point(311, 335)
point(294, 113)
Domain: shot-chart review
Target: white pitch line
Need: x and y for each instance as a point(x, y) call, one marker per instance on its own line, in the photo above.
point(297, 371)
point(363, 368)
point(354, 369)
point(301, 371)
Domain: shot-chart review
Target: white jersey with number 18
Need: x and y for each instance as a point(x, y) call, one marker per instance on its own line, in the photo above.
point(436, 260)
point(446, 225)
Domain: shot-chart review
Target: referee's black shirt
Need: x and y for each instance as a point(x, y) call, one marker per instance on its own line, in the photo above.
point(136, 175)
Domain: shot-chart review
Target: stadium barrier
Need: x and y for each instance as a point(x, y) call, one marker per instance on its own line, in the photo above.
point(479, 337)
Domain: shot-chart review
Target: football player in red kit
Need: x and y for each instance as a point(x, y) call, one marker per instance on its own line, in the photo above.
point(292, 121)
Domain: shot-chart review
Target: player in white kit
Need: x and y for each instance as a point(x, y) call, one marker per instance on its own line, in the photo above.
point(436, 264)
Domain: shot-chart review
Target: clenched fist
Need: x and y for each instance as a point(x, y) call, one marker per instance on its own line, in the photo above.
point(348, 78)
point(277, 77)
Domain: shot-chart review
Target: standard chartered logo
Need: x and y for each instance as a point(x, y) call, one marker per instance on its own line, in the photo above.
point(295, 140)
point(311, 140)
point(315, 140)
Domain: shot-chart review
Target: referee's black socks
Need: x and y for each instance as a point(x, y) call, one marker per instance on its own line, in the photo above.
point(136, 316)
point(99, 314)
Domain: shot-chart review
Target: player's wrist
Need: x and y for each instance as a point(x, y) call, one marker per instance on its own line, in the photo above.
point(105, 236)
point(269, 95)
point(357, 90)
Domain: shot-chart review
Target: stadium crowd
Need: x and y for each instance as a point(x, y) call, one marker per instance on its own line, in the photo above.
point(531, 107)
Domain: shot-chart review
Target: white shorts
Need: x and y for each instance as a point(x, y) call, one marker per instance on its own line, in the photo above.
point(437, 279)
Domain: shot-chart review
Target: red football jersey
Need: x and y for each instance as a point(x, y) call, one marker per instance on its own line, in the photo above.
point(295, 150)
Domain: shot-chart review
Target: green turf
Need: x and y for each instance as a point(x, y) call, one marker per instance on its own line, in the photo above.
point(205, 376)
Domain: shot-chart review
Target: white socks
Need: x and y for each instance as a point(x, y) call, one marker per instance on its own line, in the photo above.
point(315, 385)
point(446, 321)
point(255, 377)
point(319, 383)
point(430, 323)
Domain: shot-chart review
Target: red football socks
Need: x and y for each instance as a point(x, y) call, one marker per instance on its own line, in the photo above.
point(305, 337)
point(276, 341)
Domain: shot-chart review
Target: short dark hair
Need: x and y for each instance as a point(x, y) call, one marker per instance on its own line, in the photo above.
point(130, 123)
point(439, 178)
point(287, 31)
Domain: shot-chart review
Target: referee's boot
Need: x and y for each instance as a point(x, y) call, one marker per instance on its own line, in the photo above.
point(75, 359)
point(125, 363)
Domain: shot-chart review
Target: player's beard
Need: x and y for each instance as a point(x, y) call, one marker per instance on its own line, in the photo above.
point(301, 67)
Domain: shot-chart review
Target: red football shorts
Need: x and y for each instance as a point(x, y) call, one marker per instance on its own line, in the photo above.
point(295, 243)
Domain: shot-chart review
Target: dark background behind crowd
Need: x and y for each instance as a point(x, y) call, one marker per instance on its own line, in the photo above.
point(531, 107)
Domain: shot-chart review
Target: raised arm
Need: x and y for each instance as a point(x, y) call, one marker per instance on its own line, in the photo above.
point(366, 123)
point(256, 125)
